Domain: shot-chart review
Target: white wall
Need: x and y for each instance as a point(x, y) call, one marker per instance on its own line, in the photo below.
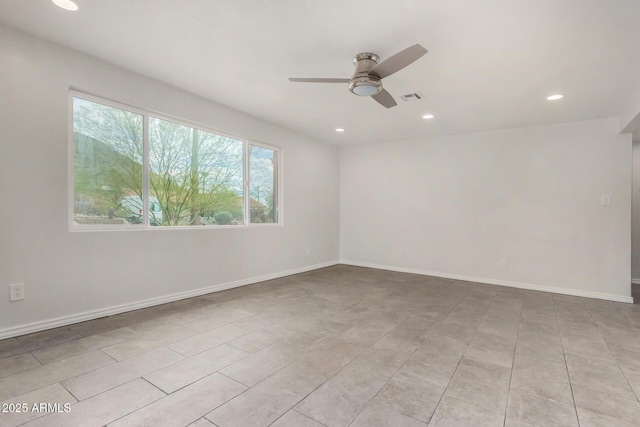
point(635, 213)
point(67, 273)
point(454, 206)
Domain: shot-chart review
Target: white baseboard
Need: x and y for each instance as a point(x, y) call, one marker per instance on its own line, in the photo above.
point(42, 325)
point(520, 285)
point(635, 281)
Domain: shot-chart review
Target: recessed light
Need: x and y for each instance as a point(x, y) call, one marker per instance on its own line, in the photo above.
point(339, 130)
point(555, 97)
point(428, 116)
point(66, 4)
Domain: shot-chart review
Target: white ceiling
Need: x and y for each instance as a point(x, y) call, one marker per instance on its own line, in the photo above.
point(490, 64)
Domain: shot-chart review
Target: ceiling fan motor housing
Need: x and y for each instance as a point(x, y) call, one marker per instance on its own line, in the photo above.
point(362, 83)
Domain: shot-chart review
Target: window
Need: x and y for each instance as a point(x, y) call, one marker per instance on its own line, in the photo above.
point(263, 164)
point(107, 165)
point(137, 170)
point(195, 176)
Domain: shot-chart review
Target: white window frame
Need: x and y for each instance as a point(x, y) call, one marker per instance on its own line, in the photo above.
point(247, 143)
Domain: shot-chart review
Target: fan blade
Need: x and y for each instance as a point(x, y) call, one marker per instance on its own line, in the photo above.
point(330, 80)
point(385, 99)
point(398, 61)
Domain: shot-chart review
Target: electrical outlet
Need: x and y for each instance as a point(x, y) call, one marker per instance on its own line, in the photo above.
point(504, 262)
point(16, 291)
point(308, 252)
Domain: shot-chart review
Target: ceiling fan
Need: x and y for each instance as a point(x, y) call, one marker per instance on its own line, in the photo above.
point(367, 80)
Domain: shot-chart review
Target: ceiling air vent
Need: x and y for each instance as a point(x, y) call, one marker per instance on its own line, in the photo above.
point(413, 96)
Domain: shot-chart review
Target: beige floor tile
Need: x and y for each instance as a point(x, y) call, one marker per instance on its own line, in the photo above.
point(267, 401)
point(403, 338)
point(630, 313)
point(488, 395)
point(339, 401)
point(310, 337)
point(37, 378)
point(385, 357)
point(477, 370)
point(593, 419)
point(104, 408)
point(202, 422)
point(100, 380)
point(629, 362)
point(8, 347)
point(184, 372)
point(258, 340)
point(427, 373)
point(625, 339)
point(540, 346)
point(585, 340)
point(18, 363)
point(368, 331)
point(381, 416)
point(149, 324)
point(454, 413)
point(32, 342)
point(254, 323)
point(43, 339)
point(470, 310)
point(184, 406)
point(352, 316)
point(149, 341)
point(541, 378)
point(415, 328)
point(258, 366)
point(536, 326)
point(601, 375)
point(295, 419)
point(54, 395)
point(539, 309)
point(410, 395)
point(525, 410)
point(216, 319)
point(635, 386)
point(463, 331)
point(327, 359)
point(492, 348)
point(101, 325)
point(441, 351)
point(598, 305)
point(535, 321)
point(204, 341)
point(627, 410)
point(573, 316)
point(83, 345)
point(500, 327)
point(611, 319)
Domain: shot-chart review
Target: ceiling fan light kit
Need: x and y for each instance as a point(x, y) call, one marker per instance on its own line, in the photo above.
point(367, 79)
point(66, 4)
point(364, 86)
point(363, 83)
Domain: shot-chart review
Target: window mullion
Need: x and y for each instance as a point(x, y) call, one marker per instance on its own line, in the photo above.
point(145, 170)
point(245, 177)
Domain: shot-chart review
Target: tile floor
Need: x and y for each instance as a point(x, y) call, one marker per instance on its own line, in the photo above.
point(341, 346)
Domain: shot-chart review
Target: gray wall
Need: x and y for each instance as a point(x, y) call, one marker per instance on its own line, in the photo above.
point(68, 273)
point(457, 205)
